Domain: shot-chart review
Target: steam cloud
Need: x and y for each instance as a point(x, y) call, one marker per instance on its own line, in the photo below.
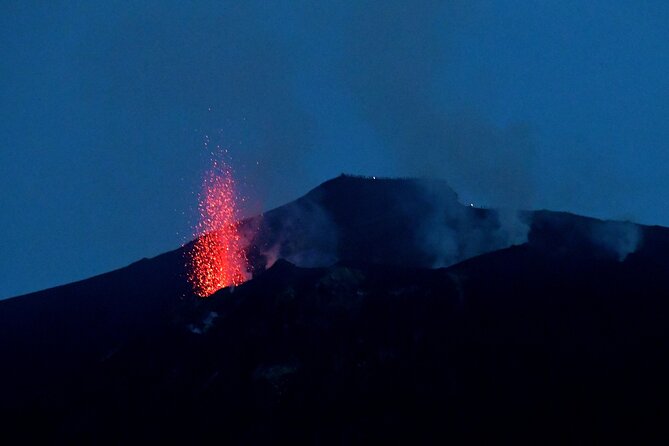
point(452, 232)
point(383, 70)
point(307, 237)
point(301, 232)
point(621, 238)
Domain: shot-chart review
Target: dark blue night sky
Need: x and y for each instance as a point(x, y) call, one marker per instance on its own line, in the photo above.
point(105, 107)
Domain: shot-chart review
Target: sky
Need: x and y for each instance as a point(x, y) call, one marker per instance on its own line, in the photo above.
point(105, 108)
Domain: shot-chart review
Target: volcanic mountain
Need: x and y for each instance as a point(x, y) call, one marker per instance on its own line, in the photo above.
point(380, 311)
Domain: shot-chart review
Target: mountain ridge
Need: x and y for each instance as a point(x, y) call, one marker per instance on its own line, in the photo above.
point(557, 339)
point(357, 180)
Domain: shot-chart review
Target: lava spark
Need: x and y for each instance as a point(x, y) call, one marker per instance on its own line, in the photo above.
point(217, 258)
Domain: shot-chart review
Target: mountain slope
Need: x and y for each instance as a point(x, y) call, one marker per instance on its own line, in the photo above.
point(561, 338)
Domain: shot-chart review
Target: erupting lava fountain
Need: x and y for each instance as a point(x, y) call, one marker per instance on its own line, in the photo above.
point(218, 257)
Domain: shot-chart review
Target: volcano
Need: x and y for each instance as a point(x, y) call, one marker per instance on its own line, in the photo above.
point(380, 311)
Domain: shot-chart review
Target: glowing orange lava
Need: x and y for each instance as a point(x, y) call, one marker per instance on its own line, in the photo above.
point(218, 258)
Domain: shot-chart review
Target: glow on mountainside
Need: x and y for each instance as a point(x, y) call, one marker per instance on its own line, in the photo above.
point(217, 258)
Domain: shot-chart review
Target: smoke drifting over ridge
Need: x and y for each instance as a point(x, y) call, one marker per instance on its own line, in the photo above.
point(561, 105)
point(417, 223)
point(450, 232)
point(621, 238)
point(359, 89)
point(356, 220)
point(301, 232)
point(429, 134)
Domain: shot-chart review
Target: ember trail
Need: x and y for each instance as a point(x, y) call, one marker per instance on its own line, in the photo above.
point(218, 258)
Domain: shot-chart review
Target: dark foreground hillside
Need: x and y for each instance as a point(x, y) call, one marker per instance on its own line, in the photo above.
point(560, 339)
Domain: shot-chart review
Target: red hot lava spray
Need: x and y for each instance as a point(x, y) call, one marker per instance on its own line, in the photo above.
point(217, 258)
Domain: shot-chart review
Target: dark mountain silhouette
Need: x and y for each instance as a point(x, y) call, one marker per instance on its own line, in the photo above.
point(553, 335)
point(381, 221)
